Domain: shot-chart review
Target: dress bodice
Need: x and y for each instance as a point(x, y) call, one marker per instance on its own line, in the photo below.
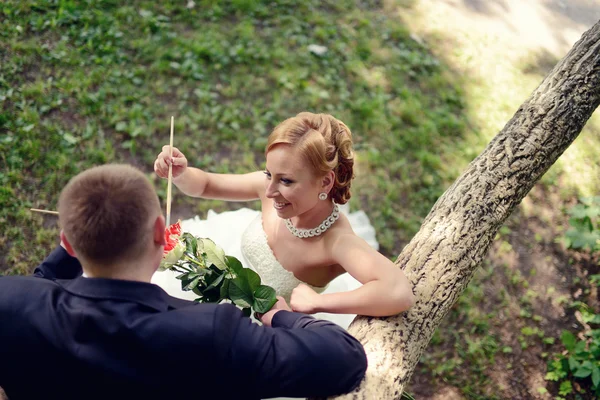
point(259, 256)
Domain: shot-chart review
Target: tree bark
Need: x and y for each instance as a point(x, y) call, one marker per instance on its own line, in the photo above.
point(456, 235)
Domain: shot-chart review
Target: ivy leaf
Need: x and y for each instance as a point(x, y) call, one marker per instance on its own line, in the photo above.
point(586, 209)
point(264, 299)
point(593, 318)
point(581, 237)
point(552, 376)
point(584, 370)
point(596, 376)
point(573, 364)
point(556, 370)
point(568, 339)
point(595, 350)
point(565, 388)
point(580, 349)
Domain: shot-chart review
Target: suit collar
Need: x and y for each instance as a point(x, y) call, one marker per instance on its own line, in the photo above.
point(147, 294)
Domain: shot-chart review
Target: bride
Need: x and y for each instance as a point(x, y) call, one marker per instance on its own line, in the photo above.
point(300, 242)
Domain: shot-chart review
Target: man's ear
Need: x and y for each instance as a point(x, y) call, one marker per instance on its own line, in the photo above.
point(159, 231)
point(64, 242)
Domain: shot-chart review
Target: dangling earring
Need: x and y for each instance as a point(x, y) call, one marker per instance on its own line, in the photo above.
point(322, 196)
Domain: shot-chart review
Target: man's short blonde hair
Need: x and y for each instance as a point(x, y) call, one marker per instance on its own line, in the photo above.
point(107, 213)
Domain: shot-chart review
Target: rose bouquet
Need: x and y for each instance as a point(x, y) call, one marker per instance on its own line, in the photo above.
point(213, 276)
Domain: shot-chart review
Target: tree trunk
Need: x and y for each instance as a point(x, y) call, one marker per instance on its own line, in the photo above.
point(456, 235)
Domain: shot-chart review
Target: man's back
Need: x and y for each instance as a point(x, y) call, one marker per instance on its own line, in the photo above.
point(103, 338)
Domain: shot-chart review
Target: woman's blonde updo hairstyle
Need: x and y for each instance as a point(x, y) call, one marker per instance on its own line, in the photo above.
point(326, 144)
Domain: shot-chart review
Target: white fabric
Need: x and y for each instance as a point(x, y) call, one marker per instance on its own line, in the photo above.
point(240, 233)
point(259, 256)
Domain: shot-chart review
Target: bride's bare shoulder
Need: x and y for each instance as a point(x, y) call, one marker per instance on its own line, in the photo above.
point(340, 230)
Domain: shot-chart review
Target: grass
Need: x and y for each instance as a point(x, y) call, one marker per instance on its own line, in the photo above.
point(84, 83)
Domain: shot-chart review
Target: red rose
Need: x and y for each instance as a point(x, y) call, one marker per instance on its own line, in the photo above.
point(172, 234)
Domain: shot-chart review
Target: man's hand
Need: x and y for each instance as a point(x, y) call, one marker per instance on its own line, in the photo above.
point(305, 300)
point(267, 317)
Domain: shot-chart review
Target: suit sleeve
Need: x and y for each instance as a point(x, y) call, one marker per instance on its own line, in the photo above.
point(299, 357)
point(59, 265)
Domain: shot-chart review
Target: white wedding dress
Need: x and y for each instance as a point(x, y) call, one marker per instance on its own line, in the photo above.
point(240, 234)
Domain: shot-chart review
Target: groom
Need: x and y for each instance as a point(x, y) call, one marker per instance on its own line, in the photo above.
point(112, 334)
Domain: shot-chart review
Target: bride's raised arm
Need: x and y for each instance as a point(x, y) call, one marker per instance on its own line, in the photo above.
point(198, 183)
point(385, 291)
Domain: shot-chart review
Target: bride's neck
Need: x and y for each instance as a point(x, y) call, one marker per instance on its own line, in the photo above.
point(313, 217)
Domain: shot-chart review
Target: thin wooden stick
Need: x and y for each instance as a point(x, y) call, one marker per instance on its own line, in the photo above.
point(170, 180)
point(44, 211)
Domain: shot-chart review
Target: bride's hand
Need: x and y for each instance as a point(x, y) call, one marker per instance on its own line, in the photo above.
point(304, 299)
point(161, 165)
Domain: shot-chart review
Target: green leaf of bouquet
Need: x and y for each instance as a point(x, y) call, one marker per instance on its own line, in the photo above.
point(199, 247)
point(252, 277)
point(216, 282)
point(264, 298)
point(214, 254)
point(183, 276)
point(189, 241)
point(238, 301)
point(200, 271)
point(234, 264)
point(191, 284)
point(225, 289)
point(241, 288)
point(211, 296)
point(194, 246)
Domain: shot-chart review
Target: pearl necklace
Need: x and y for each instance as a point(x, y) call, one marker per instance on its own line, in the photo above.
point(306, 233)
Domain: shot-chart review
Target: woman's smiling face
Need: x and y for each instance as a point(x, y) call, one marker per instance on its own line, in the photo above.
point(290, 182)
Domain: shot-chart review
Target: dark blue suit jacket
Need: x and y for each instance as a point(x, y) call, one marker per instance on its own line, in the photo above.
point(68, 337)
